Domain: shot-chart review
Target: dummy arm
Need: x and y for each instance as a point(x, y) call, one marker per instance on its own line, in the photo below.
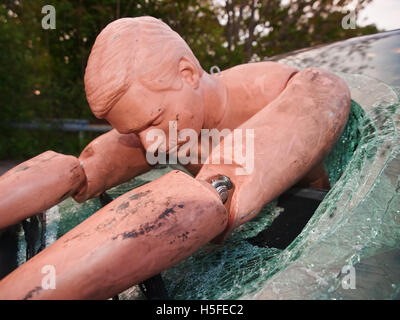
point(292, 135)
point(110, 160)
point(133, 238)
point(43, 181)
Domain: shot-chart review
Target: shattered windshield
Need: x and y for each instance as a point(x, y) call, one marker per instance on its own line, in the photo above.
point(376, 56)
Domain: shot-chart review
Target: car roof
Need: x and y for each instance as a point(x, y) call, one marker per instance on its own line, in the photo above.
point(376, 55)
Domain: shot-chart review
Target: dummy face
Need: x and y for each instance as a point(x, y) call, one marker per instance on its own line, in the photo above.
point(142, 109)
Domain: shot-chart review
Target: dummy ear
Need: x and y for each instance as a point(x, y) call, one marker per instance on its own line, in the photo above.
point(189, 73)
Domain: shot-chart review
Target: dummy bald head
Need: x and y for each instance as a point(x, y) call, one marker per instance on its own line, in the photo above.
point(142, 49)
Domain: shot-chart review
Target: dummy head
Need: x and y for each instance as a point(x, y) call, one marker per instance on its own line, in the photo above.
point(141, 75)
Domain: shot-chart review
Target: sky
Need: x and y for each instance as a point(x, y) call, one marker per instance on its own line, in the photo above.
point(385, 14)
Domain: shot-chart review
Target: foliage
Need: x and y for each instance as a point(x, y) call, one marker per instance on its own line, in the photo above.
point(42, 70)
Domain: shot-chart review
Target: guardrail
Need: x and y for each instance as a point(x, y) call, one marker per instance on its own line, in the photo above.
point(72, 125)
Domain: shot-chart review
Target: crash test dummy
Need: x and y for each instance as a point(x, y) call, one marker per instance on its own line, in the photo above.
point(141, 76)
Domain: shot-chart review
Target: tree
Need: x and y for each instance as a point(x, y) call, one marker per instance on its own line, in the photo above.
point(42, 70)
point(254, 29)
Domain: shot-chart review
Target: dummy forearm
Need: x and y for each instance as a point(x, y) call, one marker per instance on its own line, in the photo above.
point(41, 182)
point(110, 160)
point(135, 237)
point(36, 185)
point(291, 135)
